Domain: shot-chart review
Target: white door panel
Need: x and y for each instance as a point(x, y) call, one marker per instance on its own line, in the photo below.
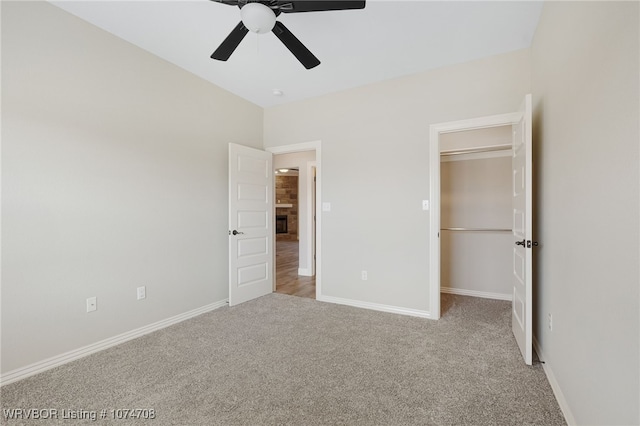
point(253, 247)
point(252, 219)
point(252, 274)
point(249, 192)
point(521, 321)
point(250, 223)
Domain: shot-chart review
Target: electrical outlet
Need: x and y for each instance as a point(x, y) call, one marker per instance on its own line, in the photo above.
point(142, 292)
point(550, 322)
point(92, 304)
point(364, 275)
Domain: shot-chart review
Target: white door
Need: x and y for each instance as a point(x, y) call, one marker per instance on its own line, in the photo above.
point(521, 317)
point(250, 223)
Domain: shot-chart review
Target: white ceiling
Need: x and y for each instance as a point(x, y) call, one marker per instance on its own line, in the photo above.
point(387, 39)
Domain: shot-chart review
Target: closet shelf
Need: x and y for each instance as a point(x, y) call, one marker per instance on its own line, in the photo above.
point(477, 229)
point(475, 150)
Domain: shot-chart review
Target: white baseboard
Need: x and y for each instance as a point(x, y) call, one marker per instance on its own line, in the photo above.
point(562, 401)
point(306, 272)
point(376, 306)
point(49, 363)
point(475, 293)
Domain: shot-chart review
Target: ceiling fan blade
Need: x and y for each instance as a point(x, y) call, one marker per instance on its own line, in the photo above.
point(229, 2)
point(230, 43)
point(298, 6)
point(295, 46)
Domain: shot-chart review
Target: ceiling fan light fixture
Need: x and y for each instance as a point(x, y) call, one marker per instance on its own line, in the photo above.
point(258, 18)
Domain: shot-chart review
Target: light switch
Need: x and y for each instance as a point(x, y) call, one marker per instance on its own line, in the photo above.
point(425, 204)
point(326, 207)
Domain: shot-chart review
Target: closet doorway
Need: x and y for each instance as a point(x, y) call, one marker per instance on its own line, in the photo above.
point(521, 178)
point(475, 213)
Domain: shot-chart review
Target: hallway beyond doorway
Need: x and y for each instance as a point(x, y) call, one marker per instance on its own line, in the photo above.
point(287, 279)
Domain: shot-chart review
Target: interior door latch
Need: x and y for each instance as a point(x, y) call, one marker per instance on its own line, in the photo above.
point(532, 244)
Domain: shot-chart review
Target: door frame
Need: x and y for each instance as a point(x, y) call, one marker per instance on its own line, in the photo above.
point(435, 130)
point(311, 214)
point(301, 147)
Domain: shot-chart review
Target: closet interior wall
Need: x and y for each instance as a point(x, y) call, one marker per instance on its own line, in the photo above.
point(476, 192)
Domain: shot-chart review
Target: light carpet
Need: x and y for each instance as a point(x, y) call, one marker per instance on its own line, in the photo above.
point(285, 360)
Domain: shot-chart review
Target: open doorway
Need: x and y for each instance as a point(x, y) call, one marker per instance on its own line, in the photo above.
point(475, 213)
point(521, 210)
point(295, 225)
point(480, 146)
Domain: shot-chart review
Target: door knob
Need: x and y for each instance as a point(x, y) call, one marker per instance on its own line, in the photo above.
point(520, 243)
point(237, 232)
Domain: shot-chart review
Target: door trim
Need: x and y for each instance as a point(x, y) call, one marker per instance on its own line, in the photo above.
point(311, 214)
point(301, 147)
point(435, 130)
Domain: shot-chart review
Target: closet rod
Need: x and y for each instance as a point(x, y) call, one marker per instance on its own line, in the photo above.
point(475, 150)
point(478, 229)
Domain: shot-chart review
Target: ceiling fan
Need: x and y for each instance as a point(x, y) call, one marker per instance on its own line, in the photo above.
point(259, 16)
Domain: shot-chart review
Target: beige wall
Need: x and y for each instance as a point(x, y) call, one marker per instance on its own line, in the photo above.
point(586, 109)
point(114, 175)
point(375, 169)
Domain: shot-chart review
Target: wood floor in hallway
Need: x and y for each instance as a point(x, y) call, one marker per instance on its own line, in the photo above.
point(287, 279)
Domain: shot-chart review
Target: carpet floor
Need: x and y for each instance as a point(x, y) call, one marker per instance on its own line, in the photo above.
point(285, 360)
